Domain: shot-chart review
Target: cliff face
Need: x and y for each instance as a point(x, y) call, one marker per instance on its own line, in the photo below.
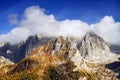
point(58, 57)
point(62, 57)
point(33, 42)
point(18, 51)
point(93, 48)
point(13, 52)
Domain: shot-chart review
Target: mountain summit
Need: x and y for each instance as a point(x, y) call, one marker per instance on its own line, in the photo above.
point(93, 48)
point(64, 58)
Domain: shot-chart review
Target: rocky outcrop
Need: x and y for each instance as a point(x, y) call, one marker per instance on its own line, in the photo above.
point(13, 52)
point(62, 57)
point(65, 56)
point(33, 42)
point(5, 62)
point(5, 65)
point(17, 52)
point(67, 48)
point(93, 48)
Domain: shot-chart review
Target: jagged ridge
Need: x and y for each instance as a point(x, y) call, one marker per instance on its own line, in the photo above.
point(60, 53)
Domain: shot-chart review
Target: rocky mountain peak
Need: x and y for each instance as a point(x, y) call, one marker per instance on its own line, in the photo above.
point(94, 48)
point(65, 58)
point(92, 38)
point(33, 42)
point(62, 43)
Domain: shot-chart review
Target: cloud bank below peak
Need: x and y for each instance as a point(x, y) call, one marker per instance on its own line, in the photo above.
point(35, 21)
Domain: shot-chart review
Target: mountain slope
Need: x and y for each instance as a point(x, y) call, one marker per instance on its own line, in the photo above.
point(62, 59)
point(5, 65)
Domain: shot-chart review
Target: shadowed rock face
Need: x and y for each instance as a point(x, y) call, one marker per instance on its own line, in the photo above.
point(18, 51)
point(115, 66)
point(33, 42)
point(115, 49)
point(13, 52)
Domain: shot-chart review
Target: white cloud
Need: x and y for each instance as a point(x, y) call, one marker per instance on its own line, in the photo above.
point(15, 36)
point(75, 28)
point(108, 29)
point(35, 21)
point(39, 23)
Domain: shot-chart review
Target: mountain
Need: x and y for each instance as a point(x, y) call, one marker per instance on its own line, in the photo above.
point(17, 52)
point(4, 61)
point(33, 42)
point(65, 58)
point(5, 64)
point(13, 52)
point(93, 48)
point(115, 49)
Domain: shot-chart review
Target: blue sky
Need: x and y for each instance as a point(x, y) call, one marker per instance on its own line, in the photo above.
point(90, 11)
